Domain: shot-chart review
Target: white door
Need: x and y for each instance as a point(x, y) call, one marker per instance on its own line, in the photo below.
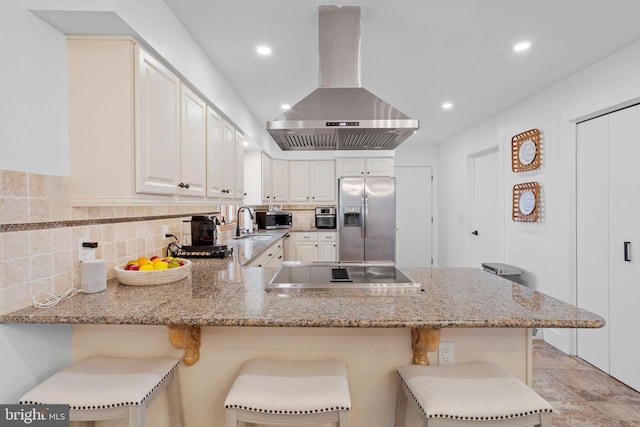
point(592, 236)
point(624, 268)
point(486, 208)
point(414, 216)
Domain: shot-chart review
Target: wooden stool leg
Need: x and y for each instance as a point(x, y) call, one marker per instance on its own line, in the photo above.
point(545, 419)
point(344, 420)
point(401, 407)
point(231, 418)
point(175, 399)
point(137, 415)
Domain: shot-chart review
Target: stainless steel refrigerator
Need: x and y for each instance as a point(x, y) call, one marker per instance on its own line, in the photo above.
point(367, 219)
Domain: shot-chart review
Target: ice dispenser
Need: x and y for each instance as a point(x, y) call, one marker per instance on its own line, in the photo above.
point(352, 217)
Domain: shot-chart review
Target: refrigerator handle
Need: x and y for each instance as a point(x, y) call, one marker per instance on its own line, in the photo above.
point(365, 212)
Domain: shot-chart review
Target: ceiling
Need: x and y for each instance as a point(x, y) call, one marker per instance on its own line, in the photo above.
point(415, 54)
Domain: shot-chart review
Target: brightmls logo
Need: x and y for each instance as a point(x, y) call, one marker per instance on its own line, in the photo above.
point(34, 415)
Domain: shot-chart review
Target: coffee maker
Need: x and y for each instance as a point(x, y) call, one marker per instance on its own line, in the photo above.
point(202, 242)
point(203, 230)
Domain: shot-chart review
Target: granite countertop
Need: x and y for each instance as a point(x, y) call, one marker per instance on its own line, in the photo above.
point(221, 292)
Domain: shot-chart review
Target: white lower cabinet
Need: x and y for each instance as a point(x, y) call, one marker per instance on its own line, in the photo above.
point(312, 246)
point(272, 257)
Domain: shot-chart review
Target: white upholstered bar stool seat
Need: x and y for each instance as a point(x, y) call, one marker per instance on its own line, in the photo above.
point(289, 392)
point(99, 388)
point(472, 394)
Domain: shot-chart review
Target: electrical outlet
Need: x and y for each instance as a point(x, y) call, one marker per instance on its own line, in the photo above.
point(445, 353)
point(165, 231)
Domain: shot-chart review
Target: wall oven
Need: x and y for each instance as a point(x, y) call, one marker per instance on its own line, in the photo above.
point(325, 217)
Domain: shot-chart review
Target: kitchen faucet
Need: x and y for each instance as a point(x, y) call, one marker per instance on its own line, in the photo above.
point(238, 218)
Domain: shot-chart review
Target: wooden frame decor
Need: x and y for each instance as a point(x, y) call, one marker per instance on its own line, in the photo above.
point(525, 151)
point(526, 202)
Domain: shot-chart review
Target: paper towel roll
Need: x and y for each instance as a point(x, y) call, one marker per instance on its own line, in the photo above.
point(93, 276)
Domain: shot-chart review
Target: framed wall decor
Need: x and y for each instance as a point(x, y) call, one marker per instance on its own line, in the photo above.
point(526, 202)
point(525, 151)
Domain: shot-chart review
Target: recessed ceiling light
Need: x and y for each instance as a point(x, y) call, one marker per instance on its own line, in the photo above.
point(263, 50)
point(245, 143)
point(447, 106)
point(285, 106)
point(521, 46)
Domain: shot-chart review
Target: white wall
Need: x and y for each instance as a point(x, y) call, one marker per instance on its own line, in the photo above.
point(33, 88)
point(33, 138)
point(545, 250)
point(157, 28)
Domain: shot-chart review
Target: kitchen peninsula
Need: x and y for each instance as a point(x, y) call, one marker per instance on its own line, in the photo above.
point(223, 310)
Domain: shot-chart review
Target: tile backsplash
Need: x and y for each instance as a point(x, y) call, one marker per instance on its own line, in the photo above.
point(39, 232)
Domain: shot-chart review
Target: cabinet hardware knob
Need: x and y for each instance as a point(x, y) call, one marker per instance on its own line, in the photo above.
point(186, 186)
point(474, 232)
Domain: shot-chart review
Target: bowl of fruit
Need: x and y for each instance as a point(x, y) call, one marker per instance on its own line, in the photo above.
point(154, 270)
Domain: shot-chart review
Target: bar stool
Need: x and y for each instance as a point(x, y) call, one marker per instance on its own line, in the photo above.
point(289, 392)
point(100, 388)
point(473, 394)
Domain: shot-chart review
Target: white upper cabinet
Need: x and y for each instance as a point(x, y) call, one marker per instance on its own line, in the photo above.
point(239, 166)
point(214, 154)
point(372, 166)
point(280, 180)
point(138, 135)
point(267, 181)
point(228, 158)
point(299, 181)
point(193, 161)
point(312, 181)
point(158, 128)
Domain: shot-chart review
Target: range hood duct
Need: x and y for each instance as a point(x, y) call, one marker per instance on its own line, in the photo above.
point(340, 114)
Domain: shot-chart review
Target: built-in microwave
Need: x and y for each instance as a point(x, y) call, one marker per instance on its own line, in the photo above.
point(271, 220)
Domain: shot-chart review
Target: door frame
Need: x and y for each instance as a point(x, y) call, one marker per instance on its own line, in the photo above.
point(471, 208)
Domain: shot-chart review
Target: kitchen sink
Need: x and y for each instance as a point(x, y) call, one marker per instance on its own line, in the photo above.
point(254, 237)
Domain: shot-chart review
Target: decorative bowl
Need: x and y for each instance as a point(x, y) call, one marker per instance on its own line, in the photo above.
point(152, 277)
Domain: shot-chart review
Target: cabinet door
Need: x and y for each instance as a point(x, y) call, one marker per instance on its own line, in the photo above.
point(280, 180)
point(267, 181)
point(193, 162)
point(382, 166)
point(327, 251)
point(350, 167)
point(239, 166)
point(624, 291)
point(298, 181)
point(214, 154)
point(322, 181)
point(307, 251)
point(158, 128)
point(228, 161)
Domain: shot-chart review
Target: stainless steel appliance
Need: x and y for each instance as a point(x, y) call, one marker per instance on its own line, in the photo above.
point(367, 219)
point(340, 114)
point(325, 217)
point(272, 220)
point(203, 230)
point(298, 276)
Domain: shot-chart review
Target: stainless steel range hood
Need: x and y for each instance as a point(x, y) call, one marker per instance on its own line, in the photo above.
point(340, 114)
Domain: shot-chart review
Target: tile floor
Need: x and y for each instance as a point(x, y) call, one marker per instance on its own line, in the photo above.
point(582, 395)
